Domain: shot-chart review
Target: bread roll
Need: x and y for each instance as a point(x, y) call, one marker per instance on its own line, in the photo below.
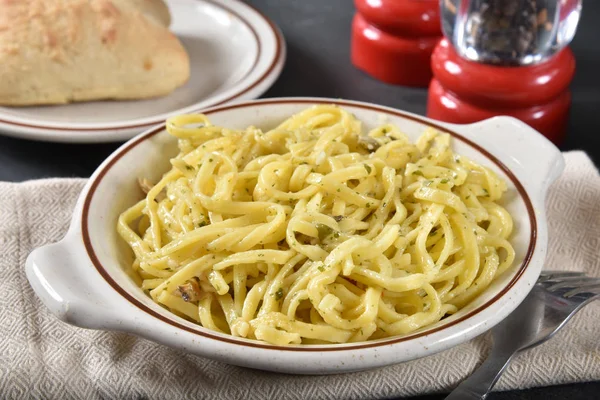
point(60, 51)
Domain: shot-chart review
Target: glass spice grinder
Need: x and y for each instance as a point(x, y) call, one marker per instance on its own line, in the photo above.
point(509, 32)
point(505, 58)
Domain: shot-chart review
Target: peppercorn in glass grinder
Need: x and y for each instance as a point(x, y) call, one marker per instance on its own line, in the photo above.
point(505, 57)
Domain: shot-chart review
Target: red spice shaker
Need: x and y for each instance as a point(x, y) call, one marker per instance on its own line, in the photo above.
point(505, 57)
point(466, 91)
point(392, 40)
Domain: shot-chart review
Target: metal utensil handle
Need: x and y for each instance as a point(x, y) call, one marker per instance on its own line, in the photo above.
point(480, 383)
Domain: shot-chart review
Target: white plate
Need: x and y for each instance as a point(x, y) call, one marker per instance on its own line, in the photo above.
point(236, 53)
point(83, 279)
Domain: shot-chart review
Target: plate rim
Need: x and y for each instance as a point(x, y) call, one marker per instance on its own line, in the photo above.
point(118, 131)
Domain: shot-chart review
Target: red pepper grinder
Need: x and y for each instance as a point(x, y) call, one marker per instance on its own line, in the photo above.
point(505, 57)
point(392, 40)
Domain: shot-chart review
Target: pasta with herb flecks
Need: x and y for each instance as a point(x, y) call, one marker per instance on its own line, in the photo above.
point(314, 232)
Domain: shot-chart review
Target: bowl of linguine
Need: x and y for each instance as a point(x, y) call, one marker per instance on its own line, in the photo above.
point(306, 235)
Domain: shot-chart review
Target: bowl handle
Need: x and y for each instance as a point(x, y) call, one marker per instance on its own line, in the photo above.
point(55, 274)
point(533, 158)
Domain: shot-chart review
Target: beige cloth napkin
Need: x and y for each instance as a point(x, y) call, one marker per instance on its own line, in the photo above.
point(41, 357)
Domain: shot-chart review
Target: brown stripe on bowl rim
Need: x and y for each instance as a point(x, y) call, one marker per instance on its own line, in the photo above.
point(201, 331)
point(274, 61)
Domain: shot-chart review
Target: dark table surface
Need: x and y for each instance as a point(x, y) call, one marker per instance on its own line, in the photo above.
point(317, 34)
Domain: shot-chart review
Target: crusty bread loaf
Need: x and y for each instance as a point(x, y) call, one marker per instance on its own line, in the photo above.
point(59, 51)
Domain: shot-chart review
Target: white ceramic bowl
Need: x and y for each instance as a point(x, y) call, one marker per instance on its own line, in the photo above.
point(83, 280)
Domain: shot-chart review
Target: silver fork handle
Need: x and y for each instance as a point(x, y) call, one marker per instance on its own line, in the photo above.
point(480, 383)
